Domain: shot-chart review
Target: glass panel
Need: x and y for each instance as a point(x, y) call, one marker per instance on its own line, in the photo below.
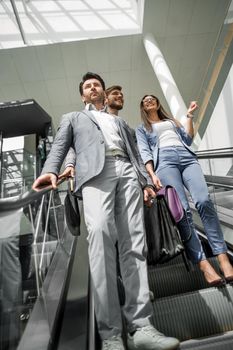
point(219, 177)
point(30, 239)
point(217, 167)
point(19, 164)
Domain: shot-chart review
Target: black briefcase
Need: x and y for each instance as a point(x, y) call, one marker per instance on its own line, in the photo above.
point(72, 212)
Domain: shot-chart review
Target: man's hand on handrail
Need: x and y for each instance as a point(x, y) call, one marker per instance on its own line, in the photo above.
point(48, 179)
point(68, 172)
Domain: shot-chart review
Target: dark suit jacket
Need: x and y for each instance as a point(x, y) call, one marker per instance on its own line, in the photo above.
point(81, 131)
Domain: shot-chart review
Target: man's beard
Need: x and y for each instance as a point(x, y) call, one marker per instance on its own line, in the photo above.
point(115, 106)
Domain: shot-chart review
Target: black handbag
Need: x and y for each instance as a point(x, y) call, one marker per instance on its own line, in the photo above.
point(72, 213)
point(162, 235)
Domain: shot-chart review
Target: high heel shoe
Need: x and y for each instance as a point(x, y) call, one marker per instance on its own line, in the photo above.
point(210, 273)
point(218, 283)
point(229, 279)
point(226, 267)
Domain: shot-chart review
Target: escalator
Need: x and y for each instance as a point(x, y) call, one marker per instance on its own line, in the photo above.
point(36, 256)
point(184, 305)
point(58, 314)
point(37, 249)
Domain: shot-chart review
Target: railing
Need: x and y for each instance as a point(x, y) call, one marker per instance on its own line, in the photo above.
point(36, 251)
point(217, 165)
point(216, 153)
point(219, 181)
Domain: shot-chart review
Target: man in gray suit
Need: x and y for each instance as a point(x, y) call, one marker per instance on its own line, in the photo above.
point(114, 101)
point(112, 180)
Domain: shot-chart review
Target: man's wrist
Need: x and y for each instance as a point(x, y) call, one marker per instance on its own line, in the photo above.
point(153, 175)
point(149, 186)
point(54, 174)
point(190, 115)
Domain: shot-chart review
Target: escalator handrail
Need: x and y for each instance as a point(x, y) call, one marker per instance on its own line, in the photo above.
point(222, 181)
point(215, 153)
point(14, 203)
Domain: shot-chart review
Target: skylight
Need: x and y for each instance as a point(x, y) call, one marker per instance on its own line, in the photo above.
point(35, 22)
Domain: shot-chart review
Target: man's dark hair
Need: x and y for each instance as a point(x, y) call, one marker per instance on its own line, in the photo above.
point(87, 76)
point(111, 88)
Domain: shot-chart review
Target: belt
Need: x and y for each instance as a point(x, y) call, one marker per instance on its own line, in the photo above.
point(116, 153)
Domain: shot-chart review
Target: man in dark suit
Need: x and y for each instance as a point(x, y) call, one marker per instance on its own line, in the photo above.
point(112, 180)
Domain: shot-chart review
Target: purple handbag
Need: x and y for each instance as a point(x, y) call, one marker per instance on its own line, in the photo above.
point(173, 202)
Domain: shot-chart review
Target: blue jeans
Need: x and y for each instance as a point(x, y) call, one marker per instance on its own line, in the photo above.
point(179, 168)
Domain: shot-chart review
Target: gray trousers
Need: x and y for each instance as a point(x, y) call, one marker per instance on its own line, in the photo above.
point(113, 211)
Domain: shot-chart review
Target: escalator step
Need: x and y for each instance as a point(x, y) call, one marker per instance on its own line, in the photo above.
point(196, 314)
point(218, 342)
point(175, 279)
point(178, 259)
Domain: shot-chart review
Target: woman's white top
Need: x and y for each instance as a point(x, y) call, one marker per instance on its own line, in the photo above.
point(166, 134)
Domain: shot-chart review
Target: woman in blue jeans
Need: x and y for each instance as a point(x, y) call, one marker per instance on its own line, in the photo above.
point(164, 147)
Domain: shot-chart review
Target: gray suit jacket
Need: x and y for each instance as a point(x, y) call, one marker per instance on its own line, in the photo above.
point(81, 131)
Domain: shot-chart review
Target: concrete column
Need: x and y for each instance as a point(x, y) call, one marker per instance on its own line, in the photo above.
point(166, 81)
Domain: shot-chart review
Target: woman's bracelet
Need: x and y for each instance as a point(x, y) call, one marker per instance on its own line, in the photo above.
point(189, 115)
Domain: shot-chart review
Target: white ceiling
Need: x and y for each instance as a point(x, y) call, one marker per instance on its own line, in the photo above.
point(186, 30)
point(52, 21)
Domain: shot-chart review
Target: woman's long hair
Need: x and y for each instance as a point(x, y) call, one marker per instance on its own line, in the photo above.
point(161, 113)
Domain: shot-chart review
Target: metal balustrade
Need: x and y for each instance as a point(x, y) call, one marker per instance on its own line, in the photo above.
point(36, 250)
